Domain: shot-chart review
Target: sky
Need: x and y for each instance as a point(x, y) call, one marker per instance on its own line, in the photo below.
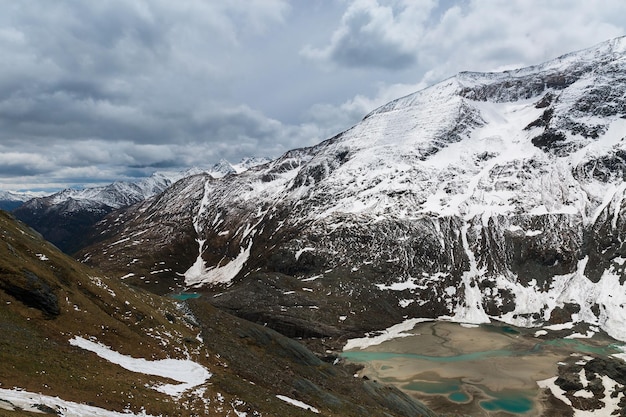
point(97, 91)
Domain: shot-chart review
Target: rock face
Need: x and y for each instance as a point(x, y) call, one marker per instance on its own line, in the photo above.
point(486, 196)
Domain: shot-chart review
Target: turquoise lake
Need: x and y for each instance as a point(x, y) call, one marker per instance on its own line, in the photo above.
point(486, 369)
point(185, 296)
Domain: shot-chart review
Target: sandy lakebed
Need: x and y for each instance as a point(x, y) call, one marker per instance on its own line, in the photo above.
point(487, 370)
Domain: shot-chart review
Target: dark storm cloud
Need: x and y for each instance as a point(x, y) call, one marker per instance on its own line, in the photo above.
point(376, 34)
point(363, 45)
point(119, 75)
point(95, 90)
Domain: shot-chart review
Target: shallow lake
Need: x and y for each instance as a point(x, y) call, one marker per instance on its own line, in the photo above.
point(185, 296)
point(487, 370)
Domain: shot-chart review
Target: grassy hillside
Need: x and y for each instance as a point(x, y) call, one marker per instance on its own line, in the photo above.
point(47, 299)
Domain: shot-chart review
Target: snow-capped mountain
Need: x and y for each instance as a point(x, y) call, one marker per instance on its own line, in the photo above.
point(10, 200)
point(223, 167)
point(486, 196)
point(65, 217)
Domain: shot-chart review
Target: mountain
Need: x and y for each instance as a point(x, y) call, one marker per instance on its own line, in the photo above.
point(10, 200)
point(223, 167)
point(65, 217)
point(77, 343)
point(488, 196)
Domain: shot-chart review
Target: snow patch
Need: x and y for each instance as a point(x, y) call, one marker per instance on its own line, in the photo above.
point(297, 403)
point(18, 400)
point(409, 284)
point(301, 251)
point(392, 332)
point(199, 274)
point(188, 372)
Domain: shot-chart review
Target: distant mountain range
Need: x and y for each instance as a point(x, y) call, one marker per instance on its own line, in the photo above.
point(65, 217)
point(10, 200)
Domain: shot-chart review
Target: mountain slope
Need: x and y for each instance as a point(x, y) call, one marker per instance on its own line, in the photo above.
point(10, 200)
point(77, 343)
point(64, 218)
point(486, 196)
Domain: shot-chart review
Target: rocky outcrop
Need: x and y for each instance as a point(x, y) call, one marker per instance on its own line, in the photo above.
point(32, 291)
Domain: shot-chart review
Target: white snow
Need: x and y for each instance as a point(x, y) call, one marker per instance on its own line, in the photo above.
point(199, 274)
point(42, 257)
point(297, 403)
point(409, 284)
point(471, 311)
point(610, 404)
point(587, 335)
point(395, 331)
point(188, 372)
point(562, 326)
point(17, 399)
point(405, 303)
point(301, 251)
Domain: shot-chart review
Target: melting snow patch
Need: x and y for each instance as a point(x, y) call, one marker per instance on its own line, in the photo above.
point(18, 400)
point(198, 274)
point(610, 400)
point(392, 332)
point(313, 278)
point(42, 257)
point(126, 239)
point(301, 251)
point(189, 373)
point(298, 403)
point(563, 326)
point(588, 335)
point(405, 303)
point(531, 233)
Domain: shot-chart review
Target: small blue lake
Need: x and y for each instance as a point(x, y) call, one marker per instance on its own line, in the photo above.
point(511, 403)
point(185, 296)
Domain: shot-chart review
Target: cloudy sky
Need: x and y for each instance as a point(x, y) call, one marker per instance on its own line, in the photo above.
point(94, 91)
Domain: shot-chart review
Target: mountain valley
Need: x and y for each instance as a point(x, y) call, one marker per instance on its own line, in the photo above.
point(76, 343)
point(486, 201)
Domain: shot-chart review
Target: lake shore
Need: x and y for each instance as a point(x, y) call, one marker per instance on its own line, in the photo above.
point(447, 365)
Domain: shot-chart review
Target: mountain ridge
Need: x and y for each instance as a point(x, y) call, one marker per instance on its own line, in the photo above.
point(65, 217)
point(484, 197)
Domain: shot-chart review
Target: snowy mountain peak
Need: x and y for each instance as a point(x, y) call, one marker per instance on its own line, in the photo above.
point(223, 167)
point(486, 196)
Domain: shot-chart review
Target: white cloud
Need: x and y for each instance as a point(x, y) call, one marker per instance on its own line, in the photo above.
point(377, 35)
